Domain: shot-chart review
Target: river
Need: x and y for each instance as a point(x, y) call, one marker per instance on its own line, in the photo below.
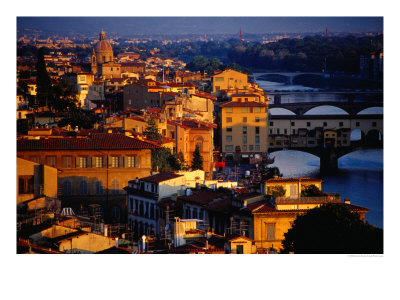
point(360, 173)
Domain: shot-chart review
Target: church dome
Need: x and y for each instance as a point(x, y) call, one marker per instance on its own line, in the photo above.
point(103, 49)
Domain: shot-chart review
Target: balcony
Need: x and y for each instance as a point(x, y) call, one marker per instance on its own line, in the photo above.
point(331, 198)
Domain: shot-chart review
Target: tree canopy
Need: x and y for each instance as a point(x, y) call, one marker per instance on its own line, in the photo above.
point(151, 131)
point(197, 162)
point(332, 229)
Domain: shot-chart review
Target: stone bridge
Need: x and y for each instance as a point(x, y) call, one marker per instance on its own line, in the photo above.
point(352, 108)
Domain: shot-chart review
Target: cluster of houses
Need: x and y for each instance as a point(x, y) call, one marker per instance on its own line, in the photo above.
point(94, 191)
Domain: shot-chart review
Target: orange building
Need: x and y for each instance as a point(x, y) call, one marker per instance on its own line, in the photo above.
point(93, 169)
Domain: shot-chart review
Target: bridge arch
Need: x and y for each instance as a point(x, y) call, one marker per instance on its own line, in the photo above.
point(326, 110)
point(281, 111)
point(371, 110)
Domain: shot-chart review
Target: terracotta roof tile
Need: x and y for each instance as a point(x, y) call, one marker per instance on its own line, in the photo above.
point(95, 141)
point(160, 177)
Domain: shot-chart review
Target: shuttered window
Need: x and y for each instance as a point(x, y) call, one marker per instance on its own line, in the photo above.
point(270, 230)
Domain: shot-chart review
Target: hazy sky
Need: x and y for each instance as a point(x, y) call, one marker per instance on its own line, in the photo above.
point(201, 25)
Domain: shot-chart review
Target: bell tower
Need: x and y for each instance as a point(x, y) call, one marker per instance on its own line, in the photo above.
point(94, 62)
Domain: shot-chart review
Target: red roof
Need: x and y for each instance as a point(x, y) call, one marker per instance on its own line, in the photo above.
point(243, 104)
point(104, 141)
point(160, 177)
point(205, 95)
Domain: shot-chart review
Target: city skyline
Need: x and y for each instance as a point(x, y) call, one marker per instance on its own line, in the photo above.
point(201, 25)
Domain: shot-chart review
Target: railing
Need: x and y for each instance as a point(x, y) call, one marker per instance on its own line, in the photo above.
point(299, 200)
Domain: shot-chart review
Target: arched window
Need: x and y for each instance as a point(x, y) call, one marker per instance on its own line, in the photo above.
point(83, 187)
point(199, 141)
point(67, 187)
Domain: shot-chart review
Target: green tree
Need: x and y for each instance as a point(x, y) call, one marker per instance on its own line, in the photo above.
point(160, 159)
point(151, 131)
point(64, 97)
point(332, 229)
point(197, 162)
point(43, 81)
point(276, 191)
point(311, 191)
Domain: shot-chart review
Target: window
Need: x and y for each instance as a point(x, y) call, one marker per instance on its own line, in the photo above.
point(257, 130)
point(250, 147)
point(292, 123)
point(278, 131)
point(244, 119)
point(25, 184)
point(83, 187)
point(229, 129)
point(308, 124)
point(257, 139)
point(67, 187)
point(194, 214)
point(285, 131)
point(51, 161)
point(270, 131)
point(294, 131)
point(35, 159)
point(270, 230)
point(239, 249)
point(325, 124)
point(229, 120)
point(229, 138)
point(257, 109)
point(271, 123)
point(115, 213)
point(244, 129)
point(245, 110)
point(229, 110)
point(257, 147)
point(219, 79)
point(257, 119)
point(99, 188)
point(357, 124)
point(228, 148)
point(244, 147)
point(251, 110)
point(245, 140)
point(115, 161)
point(98, 162)
point(246, 99)
point(131, 161)
point(373, 124)
point(239, 99)
point(341, 124)
point(82, 162)
point(67, 162)
point(201, 214)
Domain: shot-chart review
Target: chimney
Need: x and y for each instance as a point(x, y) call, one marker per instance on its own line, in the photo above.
point(347, 200)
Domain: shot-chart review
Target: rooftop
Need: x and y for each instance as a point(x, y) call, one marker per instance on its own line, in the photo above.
point(160, 177)
point(290, 180)
point(243, 104)
point(104, 141)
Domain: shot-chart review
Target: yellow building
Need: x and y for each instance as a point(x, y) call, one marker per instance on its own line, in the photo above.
point(330, 137)
point(93, 169)
point(243, 126)
point(35, 180)
point(228, 80)
point(271, 223)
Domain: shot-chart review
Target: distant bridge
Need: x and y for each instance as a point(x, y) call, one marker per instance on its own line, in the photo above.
point(352, 108)
point(291, 75)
